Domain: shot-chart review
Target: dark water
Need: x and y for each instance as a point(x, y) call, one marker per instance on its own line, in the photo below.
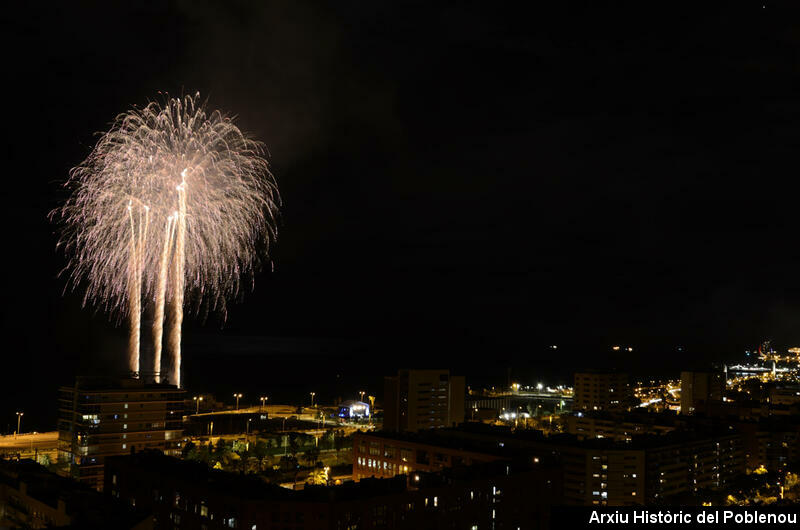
point(288, 369)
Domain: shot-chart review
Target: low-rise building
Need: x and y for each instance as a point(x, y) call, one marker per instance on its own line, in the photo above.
point(32, 497)
point(619, 427)
point(646, 469)
point(189, 495)
point(383, 455)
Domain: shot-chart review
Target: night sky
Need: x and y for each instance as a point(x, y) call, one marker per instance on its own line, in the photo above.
point(462, 186)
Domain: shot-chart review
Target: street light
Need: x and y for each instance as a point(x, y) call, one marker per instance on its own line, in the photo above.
point(362, 396)
point(371, 407)
point(237, 396)
point(263, 402)
point(19, 419)
point(312, 398)
point(197, 401)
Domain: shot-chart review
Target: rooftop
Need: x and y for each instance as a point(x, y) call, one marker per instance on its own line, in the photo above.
point(86, 507)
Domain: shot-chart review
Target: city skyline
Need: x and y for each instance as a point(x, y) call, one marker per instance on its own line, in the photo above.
point(512, 183)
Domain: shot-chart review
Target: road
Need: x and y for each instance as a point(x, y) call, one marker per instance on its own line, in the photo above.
point(31, 445)
point(34, 440)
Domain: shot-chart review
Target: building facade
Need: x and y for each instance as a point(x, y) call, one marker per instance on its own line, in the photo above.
point(699, 390)
point(647, 469)
point(609, 391)
point(423, 399)
point(100, 417)
point(378, 455)
point(32, 497)
point(183, 494)
point(618, 427)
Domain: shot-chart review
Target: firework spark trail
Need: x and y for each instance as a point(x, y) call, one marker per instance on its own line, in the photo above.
point(161, 292)
point(176, 313)
point(163, 159)
point(134, 299)
point(138, 238)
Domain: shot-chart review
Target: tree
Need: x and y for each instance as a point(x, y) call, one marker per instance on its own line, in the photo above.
point(318, 477)
point(293, 446)
point(239, 447)
point(188, 450)
point(340, 441)
point(312, 455)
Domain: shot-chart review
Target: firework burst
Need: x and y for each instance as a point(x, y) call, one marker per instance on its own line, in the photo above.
point(173, 202)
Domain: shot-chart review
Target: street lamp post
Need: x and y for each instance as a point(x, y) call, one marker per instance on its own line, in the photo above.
point(19, 420)
point(237, 396)
point(263, 402)
point(312, 398)
point(197, 400)
point(371, 407)
point(362, 396)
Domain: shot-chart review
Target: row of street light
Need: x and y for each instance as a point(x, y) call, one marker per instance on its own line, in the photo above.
point(238, 396)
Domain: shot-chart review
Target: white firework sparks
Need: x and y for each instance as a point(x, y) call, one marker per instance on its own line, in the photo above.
point(173, 201)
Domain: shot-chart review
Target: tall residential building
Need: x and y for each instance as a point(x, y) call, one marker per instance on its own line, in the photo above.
point(423, 399)
point(102, 417)
point(700, 389)
point(599, 390)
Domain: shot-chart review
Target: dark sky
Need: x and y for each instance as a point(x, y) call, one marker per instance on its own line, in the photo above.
point(460, 183)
